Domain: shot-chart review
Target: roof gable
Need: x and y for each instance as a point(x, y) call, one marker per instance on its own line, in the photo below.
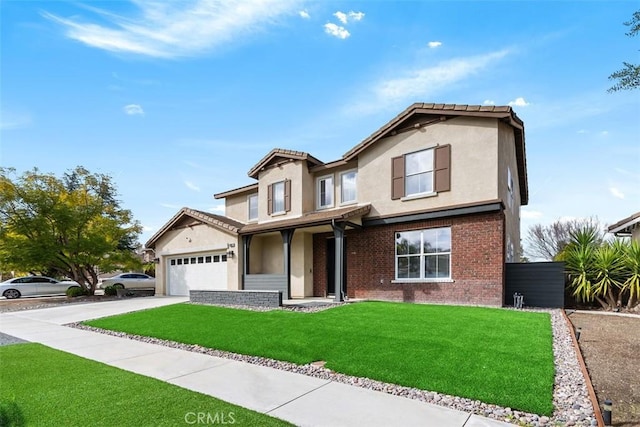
point(279, 155)
point(193, 216)
point(421, 114)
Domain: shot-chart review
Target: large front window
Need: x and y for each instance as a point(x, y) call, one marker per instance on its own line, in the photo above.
point(278, 197)
point(423, 254)
point(419, 172)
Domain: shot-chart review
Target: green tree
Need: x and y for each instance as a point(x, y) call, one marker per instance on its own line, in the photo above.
point(71, 226)
point(628, 77)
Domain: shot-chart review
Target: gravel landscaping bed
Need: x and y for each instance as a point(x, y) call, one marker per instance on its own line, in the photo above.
point(570, 397)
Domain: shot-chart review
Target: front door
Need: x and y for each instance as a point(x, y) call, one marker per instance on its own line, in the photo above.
point(331, 266)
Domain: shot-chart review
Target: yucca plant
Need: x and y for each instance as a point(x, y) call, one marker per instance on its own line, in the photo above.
point(578, 256)
point(632, 270)
point(608, 270)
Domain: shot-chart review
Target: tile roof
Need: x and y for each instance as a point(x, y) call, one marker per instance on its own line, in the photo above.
point(221, 222)
point(308, 220)
point(284, 154)
point(235, 191)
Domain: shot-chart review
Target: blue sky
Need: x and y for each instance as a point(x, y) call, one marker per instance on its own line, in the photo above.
point(177, 101)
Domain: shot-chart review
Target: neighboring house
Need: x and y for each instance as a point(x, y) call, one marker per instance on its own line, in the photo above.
point(628, 227)
point(426, 209)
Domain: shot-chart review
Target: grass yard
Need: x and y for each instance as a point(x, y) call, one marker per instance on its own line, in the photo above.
point(493, 355)
point(40, 386)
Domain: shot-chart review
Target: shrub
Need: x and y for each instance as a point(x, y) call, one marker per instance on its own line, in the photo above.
point(110, 291)
point(76, 291)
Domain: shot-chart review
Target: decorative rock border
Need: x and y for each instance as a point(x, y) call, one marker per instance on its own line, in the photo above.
point(570, 397)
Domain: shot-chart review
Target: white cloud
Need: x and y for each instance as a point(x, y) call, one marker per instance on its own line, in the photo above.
point(518, 102)
point(133, 110)
point(336, 30)
point(615, 192)
point(146, 228)
point(190, 185)
point(342, 17)
point(356, 16)
point(304, 14)
point(582, 131)
point(527, 214)
point(489, 102)
point(219, 209)
point(345, 17)
point(174, 29)
point(604, 133)
point(434, 44)
point(422, 83)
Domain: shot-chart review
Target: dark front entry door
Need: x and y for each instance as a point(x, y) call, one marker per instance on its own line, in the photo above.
point(331, 266)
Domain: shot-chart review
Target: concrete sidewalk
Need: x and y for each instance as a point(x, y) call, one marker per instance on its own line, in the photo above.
point(299, 399)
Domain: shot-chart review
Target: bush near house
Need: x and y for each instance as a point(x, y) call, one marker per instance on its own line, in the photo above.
point(607, 272)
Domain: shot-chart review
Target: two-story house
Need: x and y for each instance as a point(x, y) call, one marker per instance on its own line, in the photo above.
point(426, 209)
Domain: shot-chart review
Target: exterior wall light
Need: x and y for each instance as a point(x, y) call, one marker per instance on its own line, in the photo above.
point(606, 412)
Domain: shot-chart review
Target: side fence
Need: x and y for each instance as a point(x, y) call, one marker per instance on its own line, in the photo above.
point(541, 284)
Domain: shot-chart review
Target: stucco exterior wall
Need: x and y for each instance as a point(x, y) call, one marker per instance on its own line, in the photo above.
point(194, 240)
point(298, 173)
point(302, 265)
point(237, 206)
point(507, 162)
point(474, 165)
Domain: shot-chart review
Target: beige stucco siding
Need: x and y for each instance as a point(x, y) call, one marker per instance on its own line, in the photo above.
point(237, 207)
point(195, 240)
point(474, 165)
point(507, 162)
point(298, 173)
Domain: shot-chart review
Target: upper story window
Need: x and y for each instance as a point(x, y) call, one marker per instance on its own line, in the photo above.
point(279, 197)
point(348, 188)
point(252, 201)
point(423, 254)
point(418, 172)
point(325, 191)
point(422, 172)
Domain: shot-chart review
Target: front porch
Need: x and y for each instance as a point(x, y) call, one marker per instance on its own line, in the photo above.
point(279, 256)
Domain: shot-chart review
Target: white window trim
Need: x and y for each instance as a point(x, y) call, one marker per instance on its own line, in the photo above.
point(249, 207)
point(350, 202)
point(319, 206)
point(423, 281)
point(422, 255)
point(273, 201)
point(433, 166)
point(418, 196)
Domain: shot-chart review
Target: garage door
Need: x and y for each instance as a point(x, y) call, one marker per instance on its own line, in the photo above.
point(200, 272)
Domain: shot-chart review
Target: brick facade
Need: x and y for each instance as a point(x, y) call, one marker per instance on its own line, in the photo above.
point(477, 262)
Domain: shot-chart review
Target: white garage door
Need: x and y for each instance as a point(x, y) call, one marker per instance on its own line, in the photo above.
point(198, 272)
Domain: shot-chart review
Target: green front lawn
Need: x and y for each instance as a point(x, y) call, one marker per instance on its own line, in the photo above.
point(493, 355)
point(40, 386)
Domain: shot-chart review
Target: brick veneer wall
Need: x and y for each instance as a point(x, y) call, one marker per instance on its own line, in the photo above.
point(477, 262)
point(253, 298)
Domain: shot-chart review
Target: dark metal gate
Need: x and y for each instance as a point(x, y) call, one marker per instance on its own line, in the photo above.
point(541, 284)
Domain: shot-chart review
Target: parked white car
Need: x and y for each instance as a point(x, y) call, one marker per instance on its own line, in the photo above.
point(128, 281)
point(35, 286)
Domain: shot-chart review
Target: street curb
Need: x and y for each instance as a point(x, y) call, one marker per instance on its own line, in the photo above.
point(585, 373)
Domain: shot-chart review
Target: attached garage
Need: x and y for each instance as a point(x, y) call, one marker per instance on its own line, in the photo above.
point(206, 271)
point(196, 250)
